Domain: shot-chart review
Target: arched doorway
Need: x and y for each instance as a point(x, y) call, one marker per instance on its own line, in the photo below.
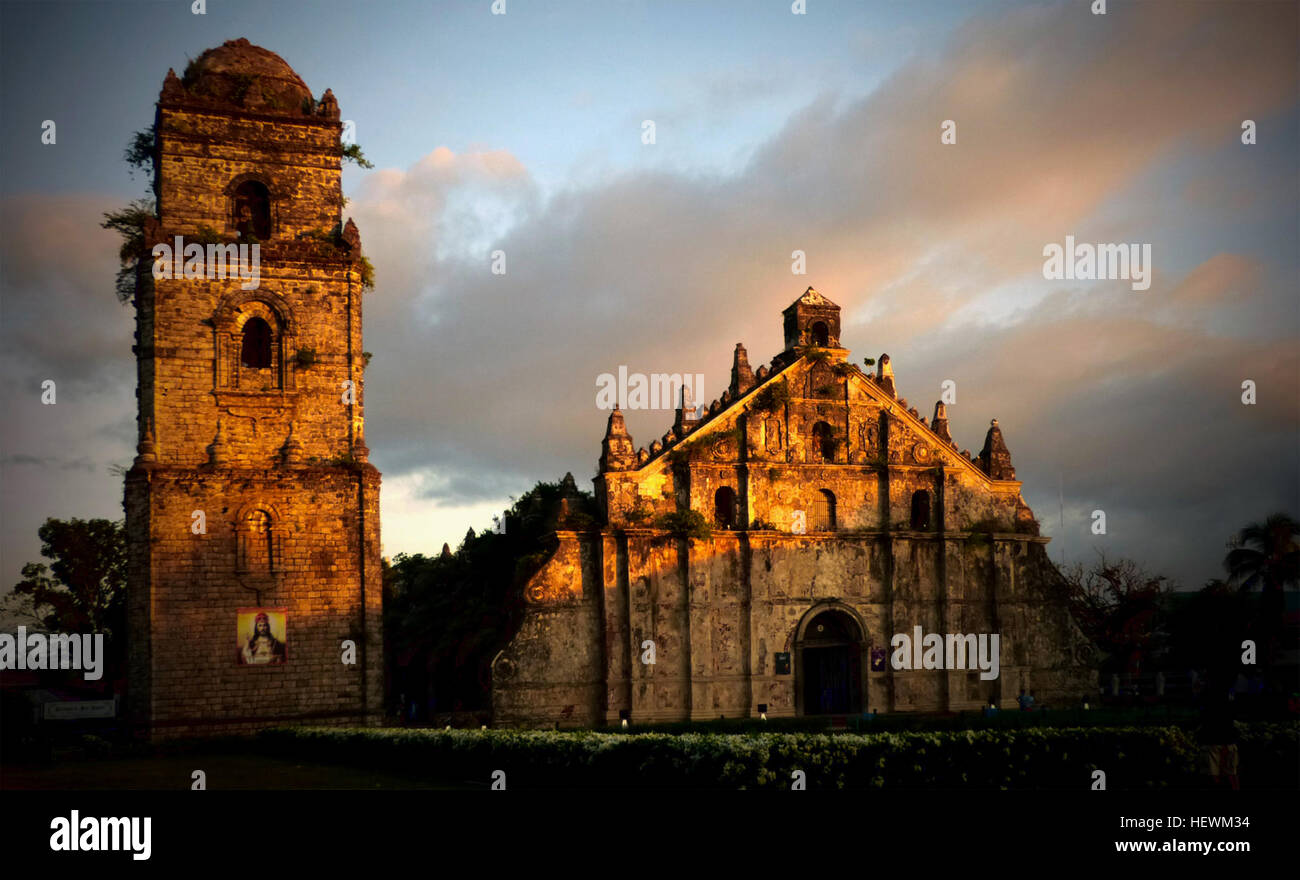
point(830, 665)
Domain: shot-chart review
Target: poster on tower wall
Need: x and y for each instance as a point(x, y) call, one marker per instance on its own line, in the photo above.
point(261, 638)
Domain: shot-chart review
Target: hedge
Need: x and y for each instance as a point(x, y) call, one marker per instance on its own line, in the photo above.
point(1045, 758)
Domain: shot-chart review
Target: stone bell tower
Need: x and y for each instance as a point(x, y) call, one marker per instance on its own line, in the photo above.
point(252, 513)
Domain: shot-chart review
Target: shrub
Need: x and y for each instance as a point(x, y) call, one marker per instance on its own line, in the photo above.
point(352, 153)
point(367, 274)
point(1043, 758)
point(773, 397)
point(685, 524)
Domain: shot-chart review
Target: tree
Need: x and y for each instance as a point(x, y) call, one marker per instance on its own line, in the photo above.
point(1206, 629)
point(447, 616)
point(1119, 605)
point(1266, 556)
point(83, 589)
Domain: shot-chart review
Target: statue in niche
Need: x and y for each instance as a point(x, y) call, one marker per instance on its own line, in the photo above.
point(772, 435)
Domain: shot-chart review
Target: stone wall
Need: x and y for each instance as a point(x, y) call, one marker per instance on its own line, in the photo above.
point(846, 498)
point(720, 610)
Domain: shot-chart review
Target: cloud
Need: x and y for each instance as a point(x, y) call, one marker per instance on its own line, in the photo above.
point(933, 251)
point(1067, 123)
point(60, 321)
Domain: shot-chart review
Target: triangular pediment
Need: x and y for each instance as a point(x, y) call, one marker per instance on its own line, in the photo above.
point(796, 411)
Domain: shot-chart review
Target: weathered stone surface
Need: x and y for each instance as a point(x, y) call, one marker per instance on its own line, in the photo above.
point(902, 531)
point(274, 455)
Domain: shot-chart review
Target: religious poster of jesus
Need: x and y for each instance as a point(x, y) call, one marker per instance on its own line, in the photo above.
point(261, 639)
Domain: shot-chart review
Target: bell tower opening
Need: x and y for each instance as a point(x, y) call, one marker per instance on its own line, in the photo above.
point(252, 210)
point(256, 349)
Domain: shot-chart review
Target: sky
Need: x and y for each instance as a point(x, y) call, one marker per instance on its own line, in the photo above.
point(774, 132)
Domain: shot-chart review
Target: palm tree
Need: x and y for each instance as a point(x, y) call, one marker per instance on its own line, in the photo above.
point(1266, 555)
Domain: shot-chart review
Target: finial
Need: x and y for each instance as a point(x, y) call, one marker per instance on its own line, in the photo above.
point(146, 449)
point(291, 451)
point(217, 449)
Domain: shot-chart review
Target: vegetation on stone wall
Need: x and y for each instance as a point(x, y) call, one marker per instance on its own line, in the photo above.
point(352, 153)
point(135, 265)
point(141, 153)
point(1046, 758)
point(367, 274)
point(685, 524)
point(773, 397)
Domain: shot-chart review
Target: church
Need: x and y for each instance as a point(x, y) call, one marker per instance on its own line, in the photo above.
point(252, 511)
point(761, 557)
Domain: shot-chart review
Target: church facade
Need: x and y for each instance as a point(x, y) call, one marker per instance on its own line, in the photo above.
point(838, 518)
point(252, 513)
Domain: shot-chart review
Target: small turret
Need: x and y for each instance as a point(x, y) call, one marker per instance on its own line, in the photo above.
point(172, 88)
point(885, 375)
point(940, 423)
point(995, 458)
point(686, 416)
point(616, 450)
point(742, 377)
point(351, 235)
point(328, 106)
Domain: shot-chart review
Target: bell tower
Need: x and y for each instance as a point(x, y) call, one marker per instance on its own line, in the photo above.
point(252, 512)
point(811, 320)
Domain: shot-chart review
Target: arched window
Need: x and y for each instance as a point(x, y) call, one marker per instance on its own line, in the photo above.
point(823, 512)
point(257, 543)
point(256, 349)
point(823, 442)
point(921, 510)
point(724, 508)
point(252, 210)
point(820, 335)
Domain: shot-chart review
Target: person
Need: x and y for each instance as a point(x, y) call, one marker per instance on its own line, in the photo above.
point(1026, 701)
point(262, 648)
point(1220, 757)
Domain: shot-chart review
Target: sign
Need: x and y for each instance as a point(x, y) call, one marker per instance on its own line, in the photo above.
point(75, 710)
point(783, 663)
